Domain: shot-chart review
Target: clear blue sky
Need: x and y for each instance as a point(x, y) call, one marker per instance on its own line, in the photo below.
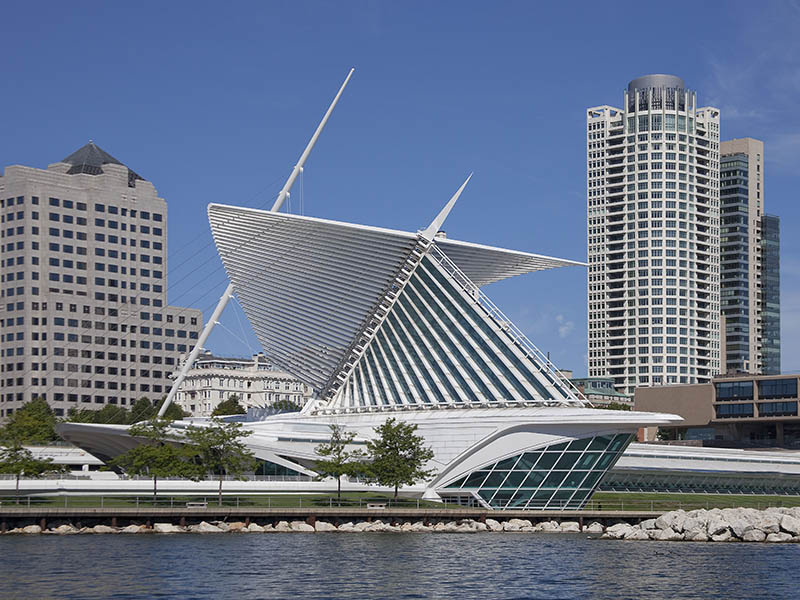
point(213, 102)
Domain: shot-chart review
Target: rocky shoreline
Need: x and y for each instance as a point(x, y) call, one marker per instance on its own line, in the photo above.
point(773, 525)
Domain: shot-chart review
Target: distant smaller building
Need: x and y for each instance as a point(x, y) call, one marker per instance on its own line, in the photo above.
point(742, 410)
point(255, 381)
point(600, 391)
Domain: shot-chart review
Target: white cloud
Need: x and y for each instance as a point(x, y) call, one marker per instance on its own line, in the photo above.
point(565, 327)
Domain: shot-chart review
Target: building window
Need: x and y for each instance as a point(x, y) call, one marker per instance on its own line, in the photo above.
point(777, 388)
point(734, 390)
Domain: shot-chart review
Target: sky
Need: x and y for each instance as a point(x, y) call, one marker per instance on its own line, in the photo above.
point(214, 102)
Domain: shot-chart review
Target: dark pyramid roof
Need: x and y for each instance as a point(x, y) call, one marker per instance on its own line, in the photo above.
point(90, 160)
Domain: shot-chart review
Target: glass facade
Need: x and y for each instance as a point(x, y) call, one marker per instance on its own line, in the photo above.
point(735, 261)
point(770, 295)
point(559, 476)
point(777, 388)
point(700, 483)
point(734, 390)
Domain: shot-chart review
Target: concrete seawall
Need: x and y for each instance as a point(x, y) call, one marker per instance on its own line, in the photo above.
point(15, 518)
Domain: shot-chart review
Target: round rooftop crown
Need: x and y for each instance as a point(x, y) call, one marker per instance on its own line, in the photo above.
point(655, 81)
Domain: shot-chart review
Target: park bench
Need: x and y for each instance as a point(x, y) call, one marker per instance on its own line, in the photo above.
point(376, 505)
point(197, 505)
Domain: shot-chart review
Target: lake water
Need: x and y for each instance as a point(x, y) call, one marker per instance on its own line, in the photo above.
point(375, 565)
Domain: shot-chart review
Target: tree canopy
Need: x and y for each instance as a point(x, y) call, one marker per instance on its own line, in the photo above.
point(158, 456)
point(33, 423)
point(219, 449)
point(398, 455)
point(142, 410)
point(17, 460)
point(337, 460)
point(230, 406)
point(286, 405)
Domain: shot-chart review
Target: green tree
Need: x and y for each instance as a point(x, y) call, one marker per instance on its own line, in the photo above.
point(173, 413)
point(398, 455)
point(142, 410)
point(286, 405)
point(110, 414)
point(33, 423)
point(158, 456)
point(230, 406)
point(337, 460)
point(219, 449)
point(17, 460)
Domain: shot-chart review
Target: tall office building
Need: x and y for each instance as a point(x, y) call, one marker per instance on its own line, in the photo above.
point(84, 318)
point(749, 277)
point(653, 236)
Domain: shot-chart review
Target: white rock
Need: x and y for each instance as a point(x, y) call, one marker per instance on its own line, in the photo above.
point(361, 526)
point(255, 528)
point(637, 534)
point(520, 522)
point(790, 524)
point(648, 524)
point(754, 535)
point(698, 534)
point(348, 526)
point(166, 528)
point(301, 526)
point(223, 526)
point(716, 526)
point(104, 529)
point(32, 529)
point(570, 527)
point(478, 526)
point(204, 527)
point(618, 531)
point(283, 527)
point(595, 528)
point(778, 537)
point(324, 526)
point(550, 526)
point(669, 535)
point(65, 530)
point(768, 522)
point(131, 529)
point(739, 526)
point(509, 526)
point(237, 527)
point(724, 536)
point(494, 525)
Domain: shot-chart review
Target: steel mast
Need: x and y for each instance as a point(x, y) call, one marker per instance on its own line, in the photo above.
point(228, 293)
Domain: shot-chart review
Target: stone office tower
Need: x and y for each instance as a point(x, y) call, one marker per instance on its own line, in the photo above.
point(653, 236)
point(84, 318)
point(749, 269)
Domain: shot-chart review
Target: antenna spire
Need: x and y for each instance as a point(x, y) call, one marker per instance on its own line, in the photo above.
point(437, 223)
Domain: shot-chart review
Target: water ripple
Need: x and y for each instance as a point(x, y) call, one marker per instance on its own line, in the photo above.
point(356, 566)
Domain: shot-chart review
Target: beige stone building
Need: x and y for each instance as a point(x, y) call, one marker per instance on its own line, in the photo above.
point(743, 410)
point(255, 381)
point(84, 319)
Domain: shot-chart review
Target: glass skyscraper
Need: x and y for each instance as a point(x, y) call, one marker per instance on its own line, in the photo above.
point(770, 295)
point(749, 263)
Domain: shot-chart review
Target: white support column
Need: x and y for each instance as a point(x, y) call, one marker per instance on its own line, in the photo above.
point(226, 296)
